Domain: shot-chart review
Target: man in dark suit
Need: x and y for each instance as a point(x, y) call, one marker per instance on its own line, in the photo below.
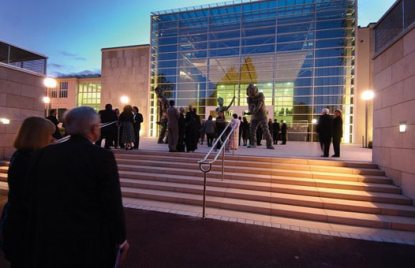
point(109, 133)
point(52, 118)
point(324, 130)
point(283, 132)
point(275, 131)
point(76, 217)
point(138, 119)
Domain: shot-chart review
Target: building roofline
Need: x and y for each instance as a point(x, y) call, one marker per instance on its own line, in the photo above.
point(78, 76)
point(201, 7)
point(387, 12)
point(125, 47)
point(27, 50)
point(21, 69)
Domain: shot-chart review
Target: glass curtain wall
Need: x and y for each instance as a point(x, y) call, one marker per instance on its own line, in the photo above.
point(300, 54)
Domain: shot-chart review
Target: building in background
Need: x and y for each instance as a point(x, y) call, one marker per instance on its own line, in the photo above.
point(394, 102)
point(126, 78)
point(74, 91)
point(300, 54)
point(21, 91)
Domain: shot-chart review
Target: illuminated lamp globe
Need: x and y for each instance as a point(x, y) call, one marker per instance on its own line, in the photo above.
point(50, 82)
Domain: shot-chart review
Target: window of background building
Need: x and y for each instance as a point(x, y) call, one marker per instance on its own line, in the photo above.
point(63, 89)
point(89, 94)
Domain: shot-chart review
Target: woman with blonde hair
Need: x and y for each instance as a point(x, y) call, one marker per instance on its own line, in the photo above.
point(35, 133)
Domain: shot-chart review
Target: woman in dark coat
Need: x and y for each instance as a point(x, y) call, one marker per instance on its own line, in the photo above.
point(337, 132)
point(35, 133)
point(127, 127)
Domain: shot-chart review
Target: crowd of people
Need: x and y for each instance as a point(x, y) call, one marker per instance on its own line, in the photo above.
point(330, 130)
point(183, 131)
point(119, 130)
point(64, 204)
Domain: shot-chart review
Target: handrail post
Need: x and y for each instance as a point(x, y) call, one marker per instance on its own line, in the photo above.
point(205, 171)
point(223, 162)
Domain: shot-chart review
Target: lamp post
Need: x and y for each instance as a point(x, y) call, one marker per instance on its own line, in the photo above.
point(367, 96)
point(48, 83)
point(46, 101)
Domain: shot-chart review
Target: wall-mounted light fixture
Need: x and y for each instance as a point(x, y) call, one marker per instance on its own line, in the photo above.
point(402, 127)
point(314, 121)
point(4, 121)
point(125, 100)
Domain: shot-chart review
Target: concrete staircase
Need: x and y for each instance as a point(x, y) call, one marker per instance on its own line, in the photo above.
point(335, 192)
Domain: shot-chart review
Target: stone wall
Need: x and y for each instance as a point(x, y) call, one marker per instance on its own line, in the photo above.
point(394, 84)
point(21, 92)
point(126, 71)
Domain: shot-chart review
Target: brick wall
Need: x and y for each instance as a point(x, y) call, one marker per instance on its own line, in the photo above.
point(20, 97)
point(394, 83)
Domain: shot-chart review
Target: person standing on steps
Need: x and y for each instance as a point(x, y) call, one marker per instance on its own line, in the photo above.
point(182, 128)
point(138, 119)
point(283, 132)
point(172, 126)
point(325, 130)
point(337, 132)
point(275, 131)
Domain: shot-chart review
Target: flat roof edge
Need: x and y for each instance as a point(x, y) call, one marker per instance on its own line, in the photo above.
point(30, 51)
point(125, 47)
point(21, 69)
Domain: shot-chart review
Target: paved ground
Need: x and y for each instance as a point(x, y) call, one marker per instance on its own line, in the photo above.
point(167, 240)
point(351, 152)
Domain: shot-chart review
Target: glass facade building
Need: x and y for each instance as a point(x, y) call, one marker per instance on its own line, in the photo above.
point(300, 54)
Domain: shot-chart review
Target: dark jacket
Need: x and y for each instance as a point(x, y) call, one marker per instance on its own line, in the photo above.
point(337, 127)
point(108, 116)
point(283, 128)
point(76, 218)
point(54, 120)
point(15, 225)
point(325, 127)
point(276, 128)
point(138, 119)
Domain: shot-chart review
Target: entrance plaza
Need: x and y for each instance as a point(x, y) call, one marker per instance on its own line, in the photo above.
point(295, 149)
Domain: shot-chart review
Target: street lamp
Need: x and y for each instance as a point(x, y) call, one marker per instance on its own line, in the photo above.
point(46, 101)
point(125, 100)
point(367, 96)
point(48, 83)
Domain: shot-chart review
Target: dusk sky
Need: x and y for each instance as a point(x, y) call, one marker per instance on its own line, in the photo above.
point(72, 32)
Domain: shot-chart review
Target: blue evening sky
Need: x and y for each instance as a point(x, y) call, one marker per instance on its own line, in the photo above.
point(72, 32)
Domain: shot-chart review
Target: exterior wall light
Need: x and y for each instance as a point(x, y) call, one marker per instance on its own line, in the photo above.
point(125, 100)
point(402, 127)
point(5, 121)
point(368, 95)
point(314, 121)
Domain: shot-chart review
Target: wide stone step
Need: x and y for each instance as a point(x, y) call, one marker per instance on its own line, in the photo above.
point(281, 188)
point(275, 172)
point(259, 180)
point(290, 211)
point(281, 198)
point(247, 165)
point(198, 156)
point(4, 188)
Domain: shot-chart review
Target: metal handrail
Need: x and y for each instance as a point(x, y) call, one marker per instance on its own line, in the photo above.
point(66, 138)
point(205, 165)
